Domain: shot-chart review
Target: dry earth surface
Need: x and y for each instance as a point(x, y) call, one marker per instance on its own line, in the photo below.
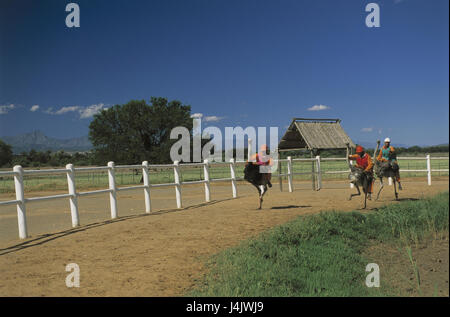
point(158, 254)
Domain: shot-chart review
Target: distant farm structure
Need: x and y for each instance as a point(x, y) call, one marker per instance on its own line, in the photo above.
point(315, 135)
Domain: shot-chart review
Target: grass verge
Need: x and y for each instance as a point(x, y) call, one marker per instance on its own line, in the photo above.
point(321, 255)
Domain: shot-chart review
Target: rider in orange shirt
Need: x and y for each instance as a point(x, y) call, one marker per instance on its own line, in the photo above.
point(364, 161)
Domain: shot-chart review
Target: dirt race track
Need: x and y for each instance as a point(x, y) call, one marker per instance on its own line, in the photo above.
point(157, 254)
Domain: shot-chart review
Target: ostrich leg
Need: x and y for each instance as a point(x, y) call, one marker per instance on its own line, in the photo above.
point(381, 187)
point(359, 193)
point(395, 190)
point(365, 200)
point(262, 192)
point(366, 190)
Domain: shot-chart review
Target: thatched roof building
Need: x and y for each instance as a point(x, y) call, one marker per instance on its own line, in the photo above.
point(315, 135)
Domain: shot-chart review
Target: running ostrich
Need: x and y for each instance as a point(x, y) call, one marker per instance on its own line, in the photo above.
point(385, 170)
point(359, 178)
point(361, 175)
point(257, 179)
point(257, 172)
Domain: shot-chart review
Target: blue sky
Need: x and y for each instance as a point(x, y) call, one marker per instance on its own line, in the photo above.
point(239, 63)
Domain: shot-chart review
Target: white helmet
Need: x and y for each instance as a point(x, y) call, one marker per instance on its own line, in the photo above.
point(387, 140)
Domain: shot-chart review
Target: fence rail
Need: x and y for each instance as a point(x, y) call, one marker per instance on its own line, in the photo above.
point(316, 176)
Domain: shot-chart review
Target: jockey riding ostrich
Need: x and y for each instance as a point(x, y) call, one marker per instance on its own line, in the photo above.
point(257, 172)
point(361, 174)
point(387, 167)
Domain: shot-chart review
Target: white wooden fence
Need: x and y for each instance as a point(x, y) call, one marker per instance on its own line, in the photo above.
point(18, 173)
point(21, 202)
point(429, 170)
point(317, 171)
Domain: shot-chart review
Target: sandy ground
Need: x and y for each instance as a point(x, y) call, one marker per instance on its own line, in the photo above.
point(157, 254)
point(430, 278)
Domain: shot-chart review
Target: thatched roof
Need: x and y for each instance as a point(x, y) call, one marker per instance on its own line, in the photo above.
point(315, 134)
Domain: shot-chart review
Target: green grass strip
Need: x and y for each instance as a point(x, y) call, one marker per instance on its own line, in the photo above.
point(320, 255)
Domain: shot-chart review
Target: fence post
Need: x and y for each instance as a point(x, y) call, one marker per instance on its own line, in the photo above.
point(21, 212)
point(112, 186)
point(233, 178)
point(319, 175)
point(313, 172)
point(145, 178)
point(429, 169)
point(206, 175)
point(72, 191)
point(289, 171)
point(177, 183)
point(280, 178)
point(351, 184)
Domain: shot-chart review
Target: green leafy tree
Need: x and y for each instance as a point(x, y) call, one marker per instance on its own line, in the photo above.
point(6, 154)
point(137, 131)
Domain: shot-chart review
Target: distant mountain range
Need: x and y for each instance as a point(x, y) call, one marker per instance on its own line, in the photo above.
point(38, 141)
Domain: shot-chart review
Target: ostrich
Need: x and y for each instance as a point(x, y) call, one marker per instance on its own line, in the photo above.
point(253, 175)
point(359, 178)
point(385, 170)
